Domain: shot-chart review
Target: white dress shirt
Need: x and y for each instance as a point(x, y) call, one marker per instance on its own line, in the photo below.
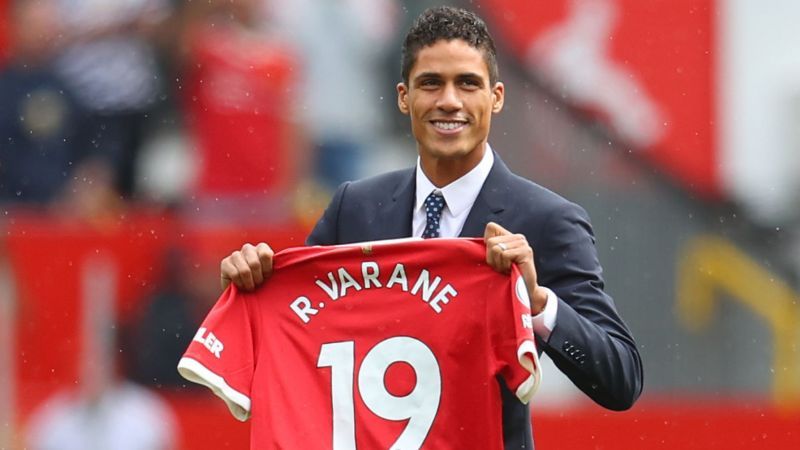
point(459, 196)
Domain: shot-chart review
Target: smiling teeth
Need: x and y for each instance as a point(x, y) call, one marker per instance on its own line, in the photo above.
point(448, 125)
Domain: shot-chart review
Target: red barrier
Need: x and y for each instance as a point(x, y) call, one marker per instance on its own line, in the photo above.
point(675, 423)
point(205, 423)
point(689, 423)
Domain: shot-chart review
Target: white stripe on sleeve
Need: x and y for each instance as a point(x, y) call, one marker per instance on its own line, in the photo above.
point(194, 371)
point(529, 359)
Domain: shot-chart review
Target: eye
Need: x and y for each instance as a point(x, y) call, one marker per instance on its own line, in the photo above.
point(429, 82)
point(470, 83)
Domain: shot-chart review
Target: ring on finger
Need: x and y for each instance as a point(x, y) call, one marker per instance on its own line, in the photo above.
point(503, 247)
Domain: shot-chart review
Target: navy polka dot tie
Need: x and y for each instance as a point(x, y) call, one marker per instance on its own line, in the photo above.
point(434, 205)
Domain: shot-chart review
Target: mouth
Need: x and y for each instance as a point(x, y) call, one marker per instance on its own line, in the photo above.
point(449, 126)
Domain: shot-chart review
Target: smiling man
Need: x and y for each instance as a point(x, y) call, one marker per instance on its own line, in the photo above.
point(461, 187)
point(450, 95)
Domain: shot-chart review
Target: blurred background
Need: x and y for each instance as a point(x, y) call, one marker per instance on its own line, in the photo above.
point(143, 140)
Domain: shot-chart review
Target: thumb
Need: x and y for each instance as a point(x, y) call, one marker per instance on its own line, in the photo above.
point(494, 229)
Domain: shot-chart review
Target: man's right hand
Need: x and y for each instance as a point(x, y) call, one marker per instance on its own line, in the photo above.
point(247, 268)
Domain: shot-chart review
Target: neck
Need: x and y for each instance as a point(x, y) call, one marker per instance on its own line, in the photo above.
point(442, 171)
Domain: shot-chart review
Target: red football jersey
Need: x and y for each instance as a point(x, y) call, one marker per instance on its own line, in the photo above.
point(376, 345)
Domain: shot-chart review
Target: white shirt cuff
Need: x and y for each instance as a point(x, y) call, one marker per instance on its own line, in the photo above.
point(545, 321)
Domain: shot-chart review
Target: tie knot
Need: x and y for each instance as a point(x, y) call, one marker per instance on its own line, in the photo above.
point(434, 205)
point(434, 201)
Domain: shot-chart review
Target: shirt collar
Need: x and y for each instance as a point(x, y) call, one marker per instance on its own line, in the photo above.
point(459, 195)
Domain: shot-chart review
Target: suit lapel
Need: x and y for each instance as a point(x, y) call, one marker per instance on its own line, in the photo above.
point(394, 218)
point(492, 201)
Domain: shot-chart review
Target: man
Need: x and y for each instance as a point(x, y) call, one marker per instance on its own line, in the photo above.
point(110, 62)
point(450, 91)
point(39, 117)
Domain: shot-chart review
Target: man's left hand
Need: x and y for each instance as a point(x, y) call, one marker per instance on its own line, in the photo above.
point(504, 248)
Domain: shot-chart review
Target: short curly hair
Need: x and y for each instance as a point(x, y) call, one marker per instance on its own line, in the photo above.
point(448, 23)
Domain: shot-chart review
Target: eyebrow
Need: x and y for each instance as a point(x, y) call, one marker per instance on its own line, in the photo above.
point(427, 75)
point(470, 75)
point(461, 76)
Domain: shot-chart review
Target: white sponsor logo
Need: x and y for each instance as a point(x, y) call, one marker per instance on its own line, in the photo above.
point(209, 341)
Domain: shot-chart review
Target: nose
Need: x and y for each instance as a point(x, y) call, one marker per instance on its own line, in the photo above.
point(449, 100)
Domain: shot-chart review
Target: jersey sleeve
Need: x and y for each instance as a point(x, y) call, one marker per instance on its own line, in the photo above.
point(515, 347)
point(221, 355)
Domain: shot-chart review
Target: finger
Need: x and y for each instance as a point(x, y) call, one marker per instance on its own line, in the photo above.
point(244, 275)
point(504, 242)
point(230, 270)
point(528, 271)
point(499, 241)
point(522, 255)
point(495, 235)
point(259, 260)
point(505, 259)
point(508, 249)
point(495, 249)
point(253, 261)
point(227, 271)
point(518, 249)
point(493, 229)
point(507, 242)
point(265, 255)
point(491, 253)
point(517, 255)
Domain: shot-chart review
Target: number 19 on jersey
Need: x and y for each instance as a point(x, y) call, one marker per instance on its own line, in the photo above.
point(419, 406)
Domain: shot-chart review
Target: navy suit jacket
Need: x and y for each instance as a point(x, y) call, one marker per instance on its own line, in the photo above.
point(590, 343)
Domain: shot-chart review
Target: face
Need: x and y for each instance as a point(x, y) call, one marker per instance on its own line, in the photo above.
point(35, 27)
point(450, 101)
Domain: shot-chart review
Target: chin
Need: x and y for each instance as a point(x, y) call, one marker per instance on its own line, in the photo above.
point(449, 154)
point(450, 151)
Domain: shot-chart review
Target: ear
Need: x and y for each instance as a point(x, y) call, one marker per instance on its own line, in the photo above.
point(402, 98)
point(498, 97)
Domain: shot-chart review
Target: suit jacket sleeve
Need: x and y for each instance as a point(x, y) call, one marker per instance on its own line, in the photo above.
point(590, 343)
